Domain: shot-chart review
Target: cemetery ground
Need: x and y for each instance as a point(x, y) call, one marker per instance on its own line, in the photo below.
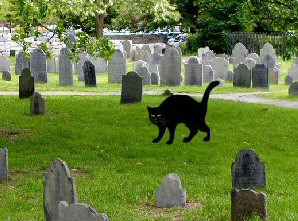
point(108, 148)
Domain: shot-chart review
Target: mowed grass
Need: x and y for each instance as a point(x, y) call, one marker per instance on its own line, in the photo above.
point(117, 169)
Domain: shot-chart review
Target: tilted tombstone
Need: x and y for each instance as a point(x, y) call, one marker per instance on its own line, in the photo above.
point(117, 67)
point(246, 203)
point(83, 57)
point(242, 76)
point(65, 68)
point(37, 104)
point(3, 164)
point(127, 47)
point(170, 68)
point(170, 192)
point(289, 80)
point(249, 62)
point(254, 56)
point(248, 171)
point(52, 65)
point(21, 63)
point(144, 74)
point(259, 76)
point(58, 186)
point(293, 72)
point(79, 212)
point(100, 65)
point(293, 89)
point(4, 64)
point(132, 88)
point(208, 74)
point(239, 53)
point(154, 78)
point(26, 84)
point(89, 74)
point(157, 49)
point(193, 72)
point(38, 66)
point(6, 76)
point(138, 64)
point(220, 68)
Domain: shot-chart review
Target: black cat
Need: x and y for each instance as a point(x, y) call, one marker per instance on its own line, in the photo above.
point(181, 109)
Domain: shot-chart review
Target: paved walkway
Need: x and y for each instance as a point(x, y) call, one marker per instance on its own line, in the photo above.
point(240, 97)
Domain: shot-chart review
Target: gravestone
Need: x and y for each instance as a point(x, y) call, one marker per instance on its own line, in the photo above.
point(83, 57)
point(38, 66)
point(58, 186)
point(4, 64)
point(273, 75)
point(170, 68)
point(133, 55)
point(147, 48)
point(230, 76)
point(37, 104)
point(246, 203)
point(293, 89)
point(208, 57)
point(65, 68)
point(202, 51)
point(144, 74)
point(26, 84)
point(21, 63)
point(260, 76)
point(154, 78)
point(170, 192)
point(220, 68)
point(127, 47)
point(296, 61)
point(239, 53)
point(132, 88)
point(79, 212)
point(138, 64)
point(6, 76)
point(3, 164)
point(143, 55)
point(193, 72)
point(249, 62)
point(254, 56)
point(267, 50)
point(248, 171)
point(117, 67)
point(157, 49)
point(208, 74)
point(293, 72)
point(154, 63)
point(52, 65)
point(100, 65)
point(89, 74)
point(242, 76)
point(289, 80)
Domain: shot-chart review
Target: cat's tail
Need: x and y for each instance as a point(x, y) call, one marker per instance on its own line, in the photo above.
point(205, 98)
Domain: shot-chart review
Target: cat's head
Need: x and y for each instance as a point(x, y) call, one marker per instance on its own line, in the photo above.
point(154, 114)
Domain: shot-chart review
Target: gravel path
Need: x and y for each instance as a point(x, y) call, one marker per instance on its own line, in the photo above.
point(240, 97)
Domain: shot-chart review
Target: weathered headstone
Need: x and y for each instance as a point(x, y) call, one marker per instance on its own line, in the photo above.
point(89, 74)
point(293, 89)
point(230, 76)
point(147, 48)
point(267, 50)
point(154, 78)
point(6, 76)
point(4, 64)
point(65, 68)
point(220, 67)
point(132, 88)
point(37, 104)
point(52, 65)
point(248, 171)
point(3, 164)
point(239, 53)
point(246, 203)
point(157, 49)
point(117, 67)
point(296, 61)
point(293, 72)
point(193, 72)
point(289, 80)
point(138, 64)
point(154, 63)
point(26, 84)
point(170, 192)
point(79, 212)
point(80, 64)
point(202, 51)
point(170, 68)
point(58, 186)
point(260, 76)
point(38, 66)
point(143, 55)
point(249, 62)
point(208, 74)
point(144, 74)
point(133, 55)
point(100, 65)
point(127, 47)
point(242, 76)
point(21, 63)
point(207, 57)
point(254, 56)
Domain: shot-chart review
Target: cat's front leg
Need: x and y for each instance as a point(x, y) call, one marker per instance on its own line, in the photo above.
point(161, 132)
point(172, 130)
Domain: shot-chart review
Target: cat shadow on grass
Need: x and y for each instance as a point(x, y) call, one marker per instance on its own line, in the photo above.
point(177, 109)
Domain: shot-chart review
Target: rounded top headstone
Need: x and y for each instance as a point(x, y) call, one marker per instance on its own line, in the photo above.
point(193, 60)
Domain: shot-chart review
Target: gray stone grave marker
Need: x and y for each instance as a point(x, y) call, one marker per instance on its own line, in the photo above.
point(26, 84)
point(242, 76)
point(80, 64)
point(293, 89)
point(220, 67)
point(37, 104)
point(4, 64)
point(154, 78)
point(132, 88)
point(65, 68)
point(260, 76)
point(144, 74)
point(38, 66)
point(246, 203)
point(127, 47)
point(6, 76)
point(239, 53)
point(117, 67)
point(21, 63)
point(248, 171)
point(171, 193)
point(100, 65)
point(52, 65)
point(249, 62)
point(193, 72)
point(157, 49)
point(138, 64)
point(296, 61)
point(3, 164)
point(208, 74)
point(289, 80)
point(58, 186)
point(89, 74)
point(293, 72)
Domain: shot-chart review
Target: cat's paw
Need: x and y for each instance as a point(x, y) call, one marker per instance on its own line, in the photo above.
point(155, 140)
point(206, 138)
point(169, 142)
point(186, 140)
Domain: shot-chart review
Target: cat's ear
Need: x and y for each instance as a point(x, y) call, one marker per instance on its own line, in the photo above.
point(149, 108)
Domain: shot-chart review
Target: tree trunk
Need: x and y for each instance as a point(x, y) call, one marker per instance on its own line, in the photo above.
point(99, 25)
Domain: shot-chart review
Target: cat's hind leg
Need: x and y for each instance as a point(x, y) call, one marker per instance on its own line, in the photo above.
point(206, 129)
point(161, 132)
point(172, 130)
point(192, 133)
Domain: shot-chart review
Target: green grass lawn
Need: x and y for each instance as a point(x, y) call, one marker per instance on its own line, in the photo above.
point(108, 149)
